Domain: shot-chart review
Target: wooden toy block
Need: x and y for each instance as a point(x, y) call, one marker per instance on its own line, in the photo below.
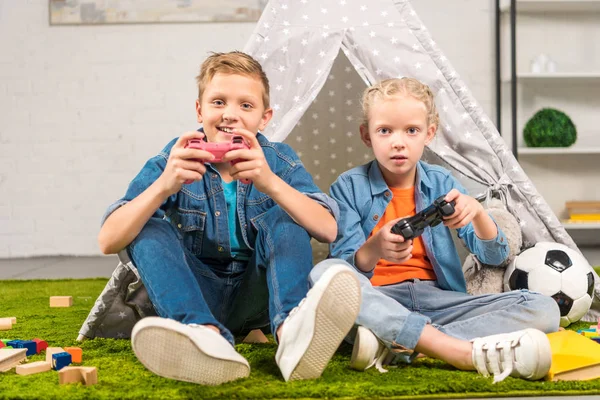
point(33, 368)
point(61, 360)
point(5, 324)
point(52, 350)
point(256, 336)
point(40, 345)
point(86, 375)
point(61, 301)
point(10, 358)
point(75, 352)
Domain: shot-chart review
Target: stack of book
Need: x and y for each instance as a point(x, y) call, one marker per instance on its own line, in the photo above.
point(583, 211)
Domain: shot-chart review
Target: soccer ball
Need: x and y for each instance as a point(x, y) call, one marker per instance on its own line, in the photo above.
point(555, 270)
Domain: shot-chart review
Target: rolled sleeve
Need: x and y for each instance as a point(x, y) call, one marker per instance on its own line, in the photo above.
point(492, 251)
point(150, 172)
point(112, 208)
point(326, 202)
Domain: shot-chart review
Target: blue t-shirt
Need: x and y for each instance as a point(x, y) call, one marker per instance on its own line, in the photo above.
point(239, 250)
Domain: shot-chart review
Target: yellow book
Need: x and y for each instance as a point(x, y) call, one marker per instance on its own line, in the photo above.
point(585, 217)
point(574, 357)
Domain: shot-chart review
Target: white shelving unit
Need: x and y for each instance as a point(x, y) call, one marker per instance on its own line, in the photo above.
point(568, 33)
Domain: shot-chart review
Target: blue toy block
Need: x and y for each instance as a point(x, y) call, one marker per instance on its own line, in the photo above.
point(14, 343)
point(61, 360)
point(30, 345)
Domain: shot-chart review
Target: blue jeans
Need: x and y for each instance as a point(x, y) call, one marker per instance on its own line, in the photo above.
point(232, 295)
point(397, 313)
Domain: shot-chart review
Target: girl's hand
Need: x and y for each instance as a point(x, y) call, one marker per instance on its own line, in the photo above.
point(466, 209)
point(393, 247)
point(251, 163)
point(184, 165)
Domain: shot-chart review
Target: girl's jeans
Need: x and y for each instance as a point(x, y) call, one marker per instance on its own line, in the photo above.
point(235, 296)
point(397, 313)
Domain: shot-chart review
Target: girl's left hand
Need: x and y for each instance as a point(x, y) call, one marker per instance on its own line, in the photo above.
point(251, 163)
point(466, 209)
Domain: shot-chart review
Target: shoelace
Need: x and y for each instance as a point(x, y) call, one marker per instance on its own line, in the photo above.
point(497, 358)
point(380, 359)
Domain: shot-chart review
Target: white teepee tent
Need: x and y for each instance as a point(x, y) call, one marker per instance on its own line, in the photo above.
point(297, 42)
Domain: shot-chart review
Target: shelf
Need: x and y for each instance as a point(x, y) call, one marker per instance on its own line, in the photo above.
point(531, 76)
point(553, 6)
point(559, 75)
point(557, 150)
point(581, 225)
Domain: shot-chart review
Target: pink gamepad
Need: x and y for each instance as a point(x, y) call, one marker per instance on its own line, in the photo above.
point(219, 150)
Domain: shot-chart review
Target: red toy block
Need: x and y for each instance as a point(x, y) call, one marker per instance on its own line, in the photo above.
point(40, 345)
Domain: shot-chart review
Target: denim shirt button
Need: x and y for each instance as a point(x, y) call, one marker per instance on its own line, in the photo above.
point(220, 248)
point(375, 217)
point(387, 194)
point(214, 176)
point(217, 213)
point(179, 226)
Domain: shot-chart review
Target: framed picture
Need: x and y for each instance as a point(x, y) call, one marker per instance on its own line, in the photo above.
point(96, 12)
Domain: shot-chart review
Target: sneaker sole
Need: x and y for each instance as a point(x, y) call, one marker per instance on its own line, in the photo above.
point(173, 355)
point(335, 315)
point(544, 355)
point(359, 360)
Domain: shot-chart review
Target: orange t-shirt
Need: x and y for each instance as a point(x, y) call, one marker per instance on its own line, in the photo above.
point(419, 266)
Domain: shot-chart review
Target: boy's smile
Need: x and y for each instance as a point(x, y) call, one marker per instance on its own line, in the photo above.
point(397, 132)
point(231, 101)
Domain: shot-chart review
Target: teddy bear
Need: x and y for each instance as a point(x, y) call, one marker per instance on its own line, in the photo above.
point(486, 279)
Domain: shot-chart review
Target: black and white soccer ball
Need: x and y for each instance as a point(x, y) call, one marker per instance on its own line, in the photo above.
point(555, 270)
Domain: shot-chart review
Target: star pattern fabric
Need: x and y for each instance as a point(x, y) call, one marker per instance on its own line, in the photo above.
point(307, 47)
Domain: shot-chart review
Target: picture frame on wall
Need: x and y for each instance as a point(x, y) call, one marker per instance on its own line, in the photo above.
point(98, 12)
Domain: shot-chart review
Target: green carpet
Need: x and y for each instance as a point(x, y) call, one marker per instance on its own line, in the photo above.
point(121, 376)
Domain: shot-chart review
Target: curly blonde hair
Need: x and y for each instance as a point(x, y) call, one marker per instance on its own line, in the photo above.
point(234, 62)
point(396, 87)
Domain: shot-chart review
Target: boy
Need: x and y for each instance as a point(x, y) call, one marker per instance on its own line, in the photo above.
point(416, 300)
point(218, 256)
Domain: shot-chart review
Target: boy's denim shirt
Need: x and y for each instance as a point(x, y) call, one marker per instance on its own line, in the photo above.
point(363, 197)
point(199, 212)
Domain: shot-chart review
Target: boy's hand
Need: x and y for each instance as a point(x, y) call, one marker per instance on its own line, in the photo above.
point(392, 247)
point(252, 164)
point(466, 209)
point(184, 164)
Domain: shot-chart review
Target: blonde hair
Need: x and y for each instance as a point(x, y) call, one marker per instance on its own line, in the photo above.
point(234, 62)
point(396, 87)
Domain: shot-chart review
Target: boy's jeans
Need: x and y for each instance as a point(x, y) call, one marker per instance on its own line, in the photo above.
point(397, 314)
point(237, 296)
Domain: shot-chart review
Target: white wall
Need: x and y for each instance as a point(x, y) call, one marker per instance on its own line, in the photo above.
point(83, 107)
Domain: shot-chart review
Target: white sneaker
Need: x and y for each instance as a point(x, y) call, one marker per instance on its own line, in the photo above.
point(368, 351)
point(190, 353)
point(525, 354)
point(314, 329)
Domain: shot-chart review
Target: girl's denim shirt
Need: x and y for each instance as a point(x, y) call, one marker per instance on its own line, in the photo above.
point(198, 211)
point(363, 197)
